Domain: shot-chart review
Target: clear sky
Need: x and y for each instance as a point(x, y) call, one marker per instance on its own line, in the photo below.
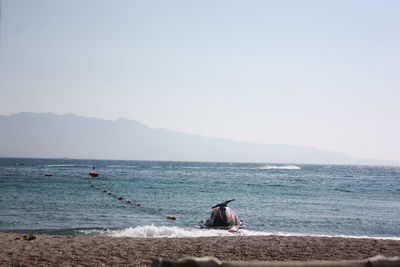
point(324, 74)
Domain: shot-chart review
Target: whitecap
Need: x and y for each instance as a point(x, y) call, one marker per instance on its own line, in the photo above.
point(165, 231)
point(283, 167)
point(152, 231)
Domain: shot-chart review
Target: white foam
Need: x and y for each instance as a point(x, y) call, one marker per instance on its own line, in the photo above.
point(285, 167)
point(122, 167)
point(153, 231)
point(61, 165)
point(166, 231)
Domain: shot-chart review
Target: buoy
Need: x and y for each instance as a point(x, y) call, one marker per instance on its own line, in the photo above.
point(171, 218)
point(120, 198)
point(233, 230)
point(138, 204)
point(110, 193)
point(94, 174)
point(129, 201)
point(48, 174)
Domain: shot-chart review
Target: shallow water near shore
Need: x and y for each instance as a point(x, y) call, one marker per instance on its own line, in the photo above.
point(285, 199)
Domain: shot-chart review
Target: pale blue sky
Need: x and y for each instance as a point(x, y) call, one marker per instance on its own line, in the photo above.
point(324, 74)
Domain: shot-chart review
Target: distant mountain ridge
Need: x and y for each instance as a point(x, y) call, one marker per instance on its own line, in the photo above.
point(49, 135)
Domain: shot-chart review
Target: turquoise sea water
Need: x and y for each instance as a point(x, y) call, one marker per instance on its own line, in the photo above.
point(334, 200)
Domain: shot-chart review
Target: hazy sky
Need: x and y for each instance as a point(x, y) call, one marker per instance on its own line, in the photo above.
point(318, 73)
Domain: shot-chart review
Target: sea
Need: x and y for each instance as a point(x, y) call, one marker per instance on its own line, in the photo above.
point(272, 199)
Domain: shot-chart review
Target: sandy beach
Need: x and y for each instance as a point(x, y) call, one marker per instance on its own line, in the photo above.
point(53, 250)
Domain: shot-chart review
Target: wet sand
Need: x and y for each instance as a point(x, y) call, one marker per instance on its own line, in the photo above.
point(52, 250)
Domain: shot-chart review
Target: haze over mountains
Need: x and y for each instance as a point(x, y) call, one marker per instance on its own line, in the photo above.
point(50, 135)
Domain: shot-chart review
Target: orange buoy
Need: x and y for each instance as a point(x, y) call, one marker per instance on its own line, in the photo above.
point(94, 174)
point(233, 230)
point(138, 204)
point(171, 218)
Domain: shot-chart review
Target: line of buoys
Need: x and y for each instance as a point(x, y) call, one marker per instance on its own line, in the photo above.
point(136, 204)
point(112, 194)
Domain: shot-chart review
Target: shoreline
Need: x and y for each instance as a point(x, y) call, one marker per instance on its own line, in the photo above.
point(257, 234)
point(56, 250)
point(187, 231)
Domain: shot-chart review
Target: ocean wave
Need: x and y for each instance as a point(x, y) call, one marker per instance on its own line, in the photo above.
point(61, 165)
point(273, 167)
point(122, 167)
point(266, 167)
point(165, 231)
point(152, 231)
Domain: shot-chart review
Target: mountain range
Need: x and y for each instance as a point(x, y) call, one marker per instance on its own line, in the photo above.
point(49, 135)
